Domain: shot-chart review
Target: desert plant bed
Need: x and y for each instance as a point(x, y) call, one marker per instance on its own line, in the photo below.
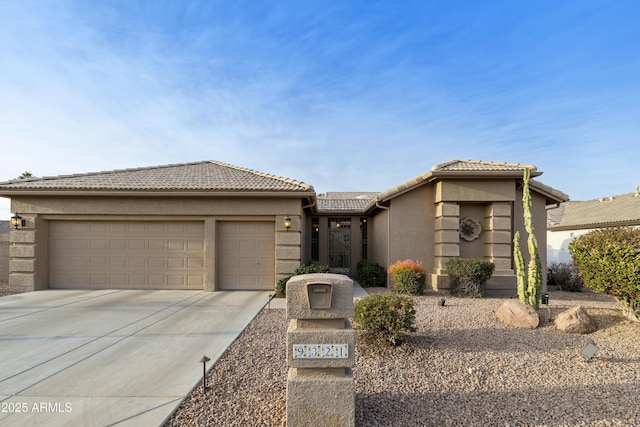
point(461, 367)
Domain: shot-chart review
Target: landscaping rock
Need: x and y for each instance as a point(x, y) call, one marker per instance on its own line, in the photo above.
point(576, 321)
point(515, 313)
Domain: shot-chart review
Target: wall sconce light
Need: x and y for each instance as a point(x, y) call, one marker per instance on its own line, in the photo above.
point(287, 222)
point(17, 221)
point(589, 349)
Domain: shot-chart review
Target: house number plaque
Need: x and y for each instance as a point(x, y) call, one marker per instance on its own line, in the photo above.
point(320, 351)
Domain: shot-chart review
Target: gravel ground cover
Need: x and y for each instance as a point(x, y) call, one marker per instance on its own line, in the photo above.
point(462, 368)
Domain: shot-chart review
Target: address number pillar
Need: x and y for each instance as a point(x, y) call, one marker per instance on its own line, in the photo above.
point(320, 351)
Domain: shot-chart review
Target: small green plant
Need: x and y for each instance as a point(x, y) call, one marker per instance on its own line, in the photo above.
point(467, 275)
point(409, 277)
point(565, 276)
point(370, 273)
point(281, 286)
point(387, 316)
point(608, 261)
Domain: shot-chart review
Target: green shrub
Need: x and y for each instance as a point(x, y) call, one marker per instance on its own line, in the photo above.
point(370, 273)
point(409, 277)
point(565, 276)
point(467, 275)
point(608, 262)
point(386, 316)
point(281, 286)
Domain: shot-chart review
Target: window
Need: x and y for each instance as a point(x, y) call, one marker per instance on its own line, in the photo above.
point(363, 233)
point(315, 239)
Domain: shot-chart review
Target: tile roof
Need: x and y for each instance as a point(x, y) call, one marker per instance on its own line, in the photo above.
point(350, 195)
point(480, 165)
point(472, 169)
point(345, 201)
point(607, 211)
point(205, 175)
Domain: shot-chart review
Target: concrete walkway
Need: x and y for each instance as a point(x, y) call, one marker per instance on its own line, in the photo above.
point(111, 357)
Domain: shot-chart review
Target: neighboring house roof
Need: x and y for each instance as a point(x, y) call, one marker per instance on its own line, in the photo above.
point(475, 169)
point(4, 227)
point(209, 176)
point(610, 211)
point(345, 201)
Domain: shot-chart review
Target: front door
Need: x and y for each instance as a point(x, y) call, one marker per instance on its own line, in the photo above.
point(340, 245)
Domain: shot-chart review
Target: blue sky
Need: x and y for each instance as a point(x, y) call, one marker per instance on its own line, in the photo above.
point(357, 95)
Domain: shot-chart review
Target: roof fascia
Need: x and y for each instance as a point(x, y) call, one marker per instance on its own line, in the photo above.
point(629, 223)
point(552, 195)
point(159, 193)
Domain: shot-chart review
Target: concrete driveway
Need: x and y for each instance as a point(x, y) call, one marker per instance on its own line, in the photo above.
point(111, 357)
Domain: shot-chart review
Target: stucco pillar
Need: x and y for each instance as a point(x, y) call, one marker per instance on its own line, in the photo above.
point(446, 242)
point(22, 257)
point(498, 247)
point(288, 246)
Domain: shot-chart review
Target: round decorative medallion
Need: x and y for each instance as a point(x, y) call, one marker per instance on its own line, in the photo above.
point(470, 229)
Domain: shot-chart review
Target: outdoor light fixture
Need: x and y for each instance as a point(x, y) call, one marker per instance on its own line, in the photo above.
point(204, 360)
point(589, 349)
point(545, 299)
point(17, 221)
point(287, 222)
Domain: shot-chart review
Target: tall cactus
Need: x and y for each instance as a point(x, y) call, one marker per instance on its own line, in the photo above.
point(529, 290)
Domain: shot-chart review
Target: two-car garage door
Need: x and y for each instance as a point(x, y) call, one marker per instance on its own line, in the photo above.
point(159, 255)
point(120, 254)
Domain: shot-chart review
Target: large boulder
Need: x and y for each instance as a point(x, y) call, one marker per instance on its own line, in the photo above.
point(576, 321)
point(515, 313)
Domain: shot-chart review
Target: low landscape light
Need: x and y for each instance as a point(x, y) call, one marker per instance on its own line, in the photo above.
point(589, 349)
point(271, 296)
point(545, 299)
point(204, 360)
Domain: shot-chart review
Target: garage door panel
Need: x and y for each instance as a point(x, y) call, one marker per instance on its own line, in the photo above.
point(97, 244)
point(195, 262)
point(118, 244)
point(99, 280)
point(157, 262)
point(118, 280)
point(247, 255)
point(104, 254)
point(137, 280)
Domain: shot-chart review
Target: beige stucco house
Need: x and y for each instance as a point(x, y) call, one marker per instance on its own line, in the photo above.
point(213, 226)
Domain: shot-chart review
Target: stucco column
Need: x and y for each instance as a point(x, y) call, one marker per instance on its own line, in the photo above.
point(446, 242)
point(22, 257)
point(498, 247)
point(498, 238)
point(288, 246)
